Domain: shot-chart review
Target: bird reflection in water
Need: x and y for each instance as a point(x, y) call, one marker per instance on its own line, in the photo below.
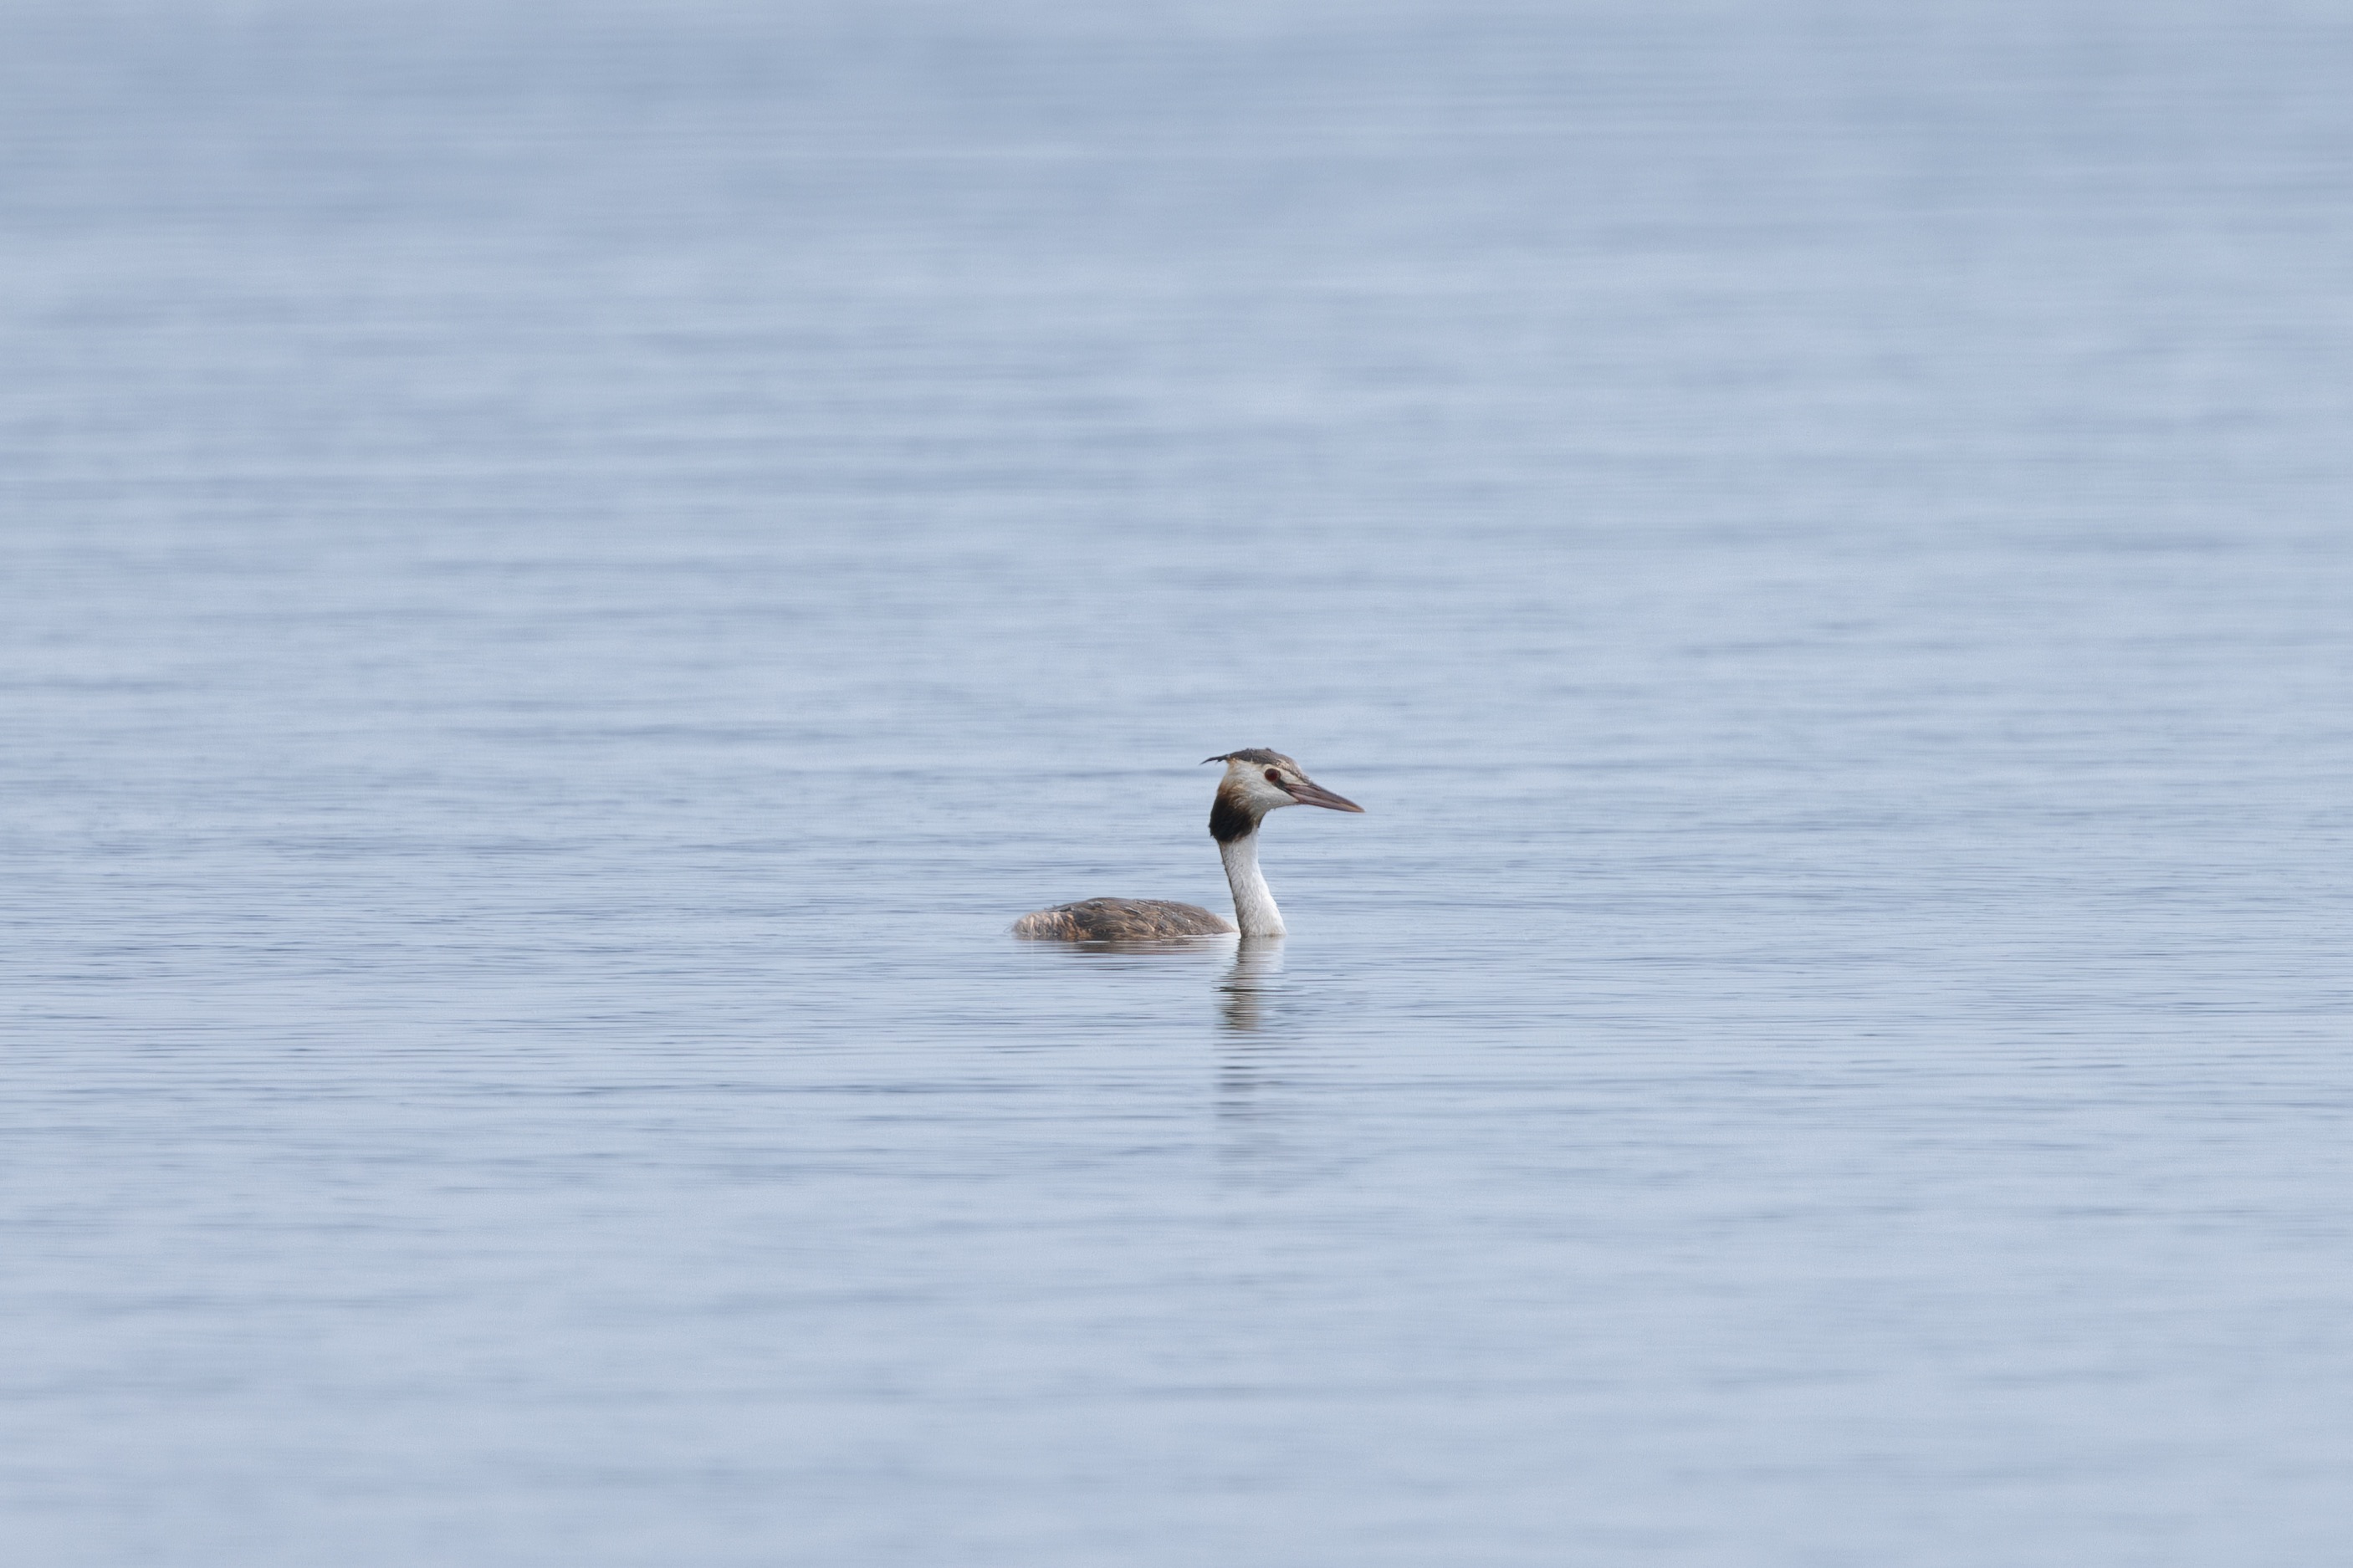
point(1253, 1045)
point(1250, 984)
point(1249, 1059)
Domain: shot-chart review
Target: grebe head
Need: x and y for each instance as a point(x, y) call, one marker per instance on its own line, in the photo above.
point(1259, 781)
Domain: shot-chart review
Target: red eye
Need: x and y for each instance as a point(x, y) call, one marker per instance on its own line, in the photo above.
point(1273, 777)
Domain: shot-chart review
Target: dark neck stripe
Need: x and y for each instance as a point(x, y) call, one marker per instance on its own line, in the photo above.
point(1228, 821)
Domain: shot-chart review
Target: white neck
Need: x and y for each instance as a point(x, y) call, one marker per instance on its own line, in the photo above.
point(1254, 908)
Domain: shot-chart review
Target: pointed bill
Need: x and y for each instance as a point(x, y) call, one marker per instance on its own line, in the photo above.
point(1307, 792)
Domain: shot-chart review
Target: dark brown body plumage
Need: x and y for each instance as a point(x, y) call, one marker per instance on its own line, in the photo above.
point(1121, 919)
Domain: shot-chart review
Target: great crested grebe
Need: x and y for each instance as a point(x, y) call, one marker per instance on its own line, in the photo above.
point(1257, 781)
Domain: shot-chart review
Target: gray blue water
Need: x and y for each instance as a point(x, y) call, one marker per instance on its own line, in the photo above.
point(566, 570)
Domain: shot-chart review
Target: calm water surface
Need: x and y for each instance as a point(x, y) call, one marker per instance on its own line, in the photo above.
point(568, 569)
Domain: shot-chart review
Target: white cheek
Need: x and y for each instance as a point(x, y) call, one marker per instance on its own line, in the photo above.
point(1261, 795)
